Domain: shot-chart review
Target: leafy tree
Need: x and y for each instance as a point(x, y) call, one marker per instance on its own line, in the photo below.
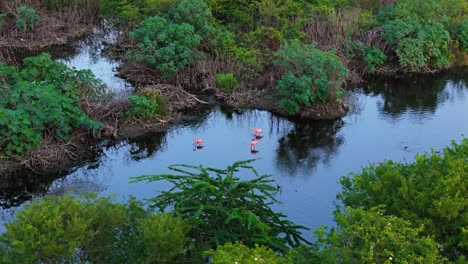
point(430, 192)
point(52, 229)
point(310, 75)
point(372, 237)
point(42, 99)
point(69, 230)
point(27, 19)
point(165, 46)
point(221, 208)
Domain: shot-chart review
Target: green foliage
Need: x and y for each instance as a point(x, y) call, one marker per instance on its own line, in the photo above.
point(239, 253)
point(147, 105)
point(86, 225)
point(27, 19)
point(372, 56)
point(195, 13)
point(310, 75)
point(165, 46)
point(134, 11)
point(69, 230)
point(418, 29)
point(430, 192)
point(373, 237)
point(42, 100)
point(222, 208)
point(227, 81)
point(463, 36)
point(163, 237)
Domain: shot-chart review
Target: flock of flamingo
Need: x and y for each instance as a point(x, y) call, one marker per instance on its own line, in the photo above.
point(257, 133)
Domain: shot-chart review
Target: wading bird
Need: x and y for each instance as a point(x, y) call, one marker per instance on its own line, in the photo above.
point(197, 141)
point(253, 143)
point(257, 131)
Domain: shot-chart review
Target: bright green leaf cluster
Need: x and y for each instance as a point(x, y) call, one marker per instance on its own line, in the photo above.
point(42, 99)
point(227, 81)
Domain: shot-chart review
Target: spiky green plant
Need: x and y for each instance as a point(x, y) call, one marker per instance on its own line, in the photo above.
point(222, 208)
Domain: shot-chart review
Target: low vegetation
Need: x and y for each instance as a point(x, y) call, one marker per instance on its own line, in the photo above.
point(43, 100)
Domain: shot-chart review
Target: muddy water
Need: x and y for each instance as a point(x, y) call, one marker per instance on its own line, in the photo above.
point(391, 119)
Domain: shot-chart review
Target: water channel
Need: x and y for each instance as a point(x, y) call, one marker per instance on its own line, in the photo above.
point(390, 119)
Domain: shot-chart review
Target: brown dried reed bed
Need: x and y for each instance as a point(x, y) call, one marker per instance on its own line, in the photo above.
point(57, 26)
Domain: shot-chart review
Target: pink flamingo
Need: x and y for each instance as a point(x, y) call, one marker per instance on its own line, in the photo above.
point(253, 143)
point(197, 141)
point(257, 131)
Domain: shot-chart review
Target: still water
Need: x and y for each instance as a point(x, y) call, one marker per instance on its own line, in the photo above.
point(390, 119)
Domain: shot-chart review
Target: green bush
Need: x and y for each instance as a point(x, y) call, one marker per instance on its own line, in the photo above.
point(372, 56)
point(430, 191)
point(372, 237)
point(145, 106)
point(27, 19)
point(239, 253)
point(165, 46)
point(310, 75)
point(221, 208)
point(418, 29)
point(163, 237)
point(227, 81)
point(195, 13)
point(42, 100)
point(57, 229)
point(463, 36)
point(95, 230)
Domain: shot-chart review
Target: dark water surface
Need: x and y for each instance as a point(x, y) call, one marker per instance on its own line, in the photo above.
point(390, 119)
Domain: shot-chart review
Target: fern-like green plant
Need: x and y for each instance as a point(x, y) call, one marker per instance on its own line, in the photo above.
point(222, 208)
point(27, 19)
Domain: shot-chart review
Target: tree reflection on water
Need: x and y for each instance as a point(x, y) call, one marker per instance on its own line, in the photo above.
point(303, 147)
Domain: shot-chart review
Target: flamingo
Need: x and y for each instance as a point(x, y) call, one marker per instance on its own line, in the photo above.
point(197, 141)
point(253, 143)
point(257, 131)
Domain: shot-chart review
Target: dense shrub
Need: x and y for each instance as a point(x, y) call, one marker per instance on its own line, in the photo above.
point(372, 56)
point(195, 13)
point(417, 28)
point(42, 100)
point(222, 208)
point(239, 253)
point(372, 237)
point(310, 75)
point(27, 19)
point(69, 230)
point(146, 105)
point(227, 81)
point(430, 192)
point(165, 46)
